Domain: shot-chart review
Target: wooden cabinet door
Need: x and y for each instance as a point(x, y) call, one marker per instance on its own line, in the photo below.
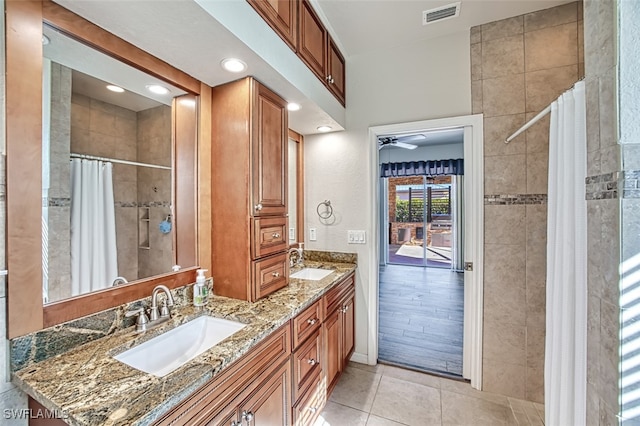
point(269, 153)
point(281, 15)
point(333, 347)
point(348, 331)
point(270, 404)
point(312, 42)
point(228, 417)
point(336, 72)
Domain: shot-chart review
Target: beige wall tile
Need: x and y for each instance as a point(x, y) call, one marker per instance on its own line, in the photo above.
point(593, 339)
point(102, 145)
point(593, 163)
point(543, 87)
point(505, 379)
point(581, 42)
point(498, 129)
point(503, 342)
point(505, 174)
point(537, 136)
point(551, 47)
point(600, 36)
point(592, 96)
point(503, 56)
point(608, 110)
point(609, 346)
point(503, 95)
point(610, 246)
point(537, 172)
point(593, 406)
point(79, 140)
point(504, 281)
point(535, 386)
point(551, 17)
point(610, 159)
point(504, 28)
point(504, 224)
point(476, 97)
point(476, 61)
point(475, 34)
point(594, 242)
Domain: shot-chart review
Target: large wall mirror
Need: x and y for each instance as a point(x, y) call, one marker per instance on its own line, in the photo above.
point(107, 147)
point(63, 117)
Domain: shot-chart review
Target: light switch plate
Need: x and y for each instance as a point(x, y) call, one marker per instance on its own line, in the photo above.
point(356, 237)
point(312, 234)
point(292, 234)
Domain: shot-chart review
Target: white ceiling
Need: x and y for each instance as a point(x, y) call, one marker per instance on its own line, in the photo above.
point(184, 34)
point(363, 26)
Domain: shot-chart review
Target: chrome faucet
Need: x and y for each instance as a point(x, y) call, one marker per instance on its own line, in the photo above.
point(166, 303)
point(118, 281)
point(296, 255)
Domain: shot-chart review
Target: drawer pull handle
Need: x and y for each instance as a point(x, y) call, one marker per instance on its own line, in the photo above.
point(312, 361)
point(345, 309)
point(247, 415)
point(275, 235)
point(258, 207)
point(234, 423)
point(312, 321)
point(313, 409)
point(275, 274)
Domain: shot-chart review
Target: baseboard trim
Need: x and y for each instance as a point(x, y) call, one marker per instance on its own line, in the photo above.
point(360, 358)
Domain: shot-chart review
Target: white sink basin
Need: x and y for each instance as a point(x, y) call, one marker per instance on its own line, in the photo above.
point(313, 274)
point(169, 351)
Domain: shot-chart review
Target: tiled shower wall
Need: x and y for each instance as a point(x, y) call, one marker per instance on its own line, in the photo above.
point(518, 67)
point(603, 212)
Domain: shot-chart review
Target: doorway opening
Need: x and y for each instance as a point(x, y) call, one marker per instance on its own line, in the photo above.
point(467, 289)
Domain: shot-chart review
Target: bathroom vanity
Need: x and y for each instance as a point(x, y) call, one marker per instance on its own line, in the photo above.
point(279, 368)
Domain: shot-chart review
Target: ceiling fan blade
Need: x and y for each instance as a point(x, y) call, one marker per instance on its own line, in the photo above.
point(405, 145)
point(412, 138)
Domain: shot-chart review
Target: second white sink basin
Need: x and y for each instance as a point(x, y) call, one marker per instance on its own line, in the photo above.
point(313, 274)
point(169, 351)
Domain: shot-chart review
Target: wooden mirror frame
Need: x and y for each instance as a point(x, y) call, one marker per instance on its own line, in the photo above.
point(299, 140)
point(25, 310)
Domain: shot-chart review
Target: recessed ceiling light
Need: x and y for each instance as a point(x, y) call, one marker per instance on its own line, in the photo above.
point(324, 128)
point(115, 88)
point(157, 89)
point(45, 40)
point(233, 65)
point(292, 106)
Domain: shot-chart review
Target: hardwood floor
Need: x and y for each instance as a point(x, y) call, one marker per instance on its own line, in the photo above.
point(421, 318)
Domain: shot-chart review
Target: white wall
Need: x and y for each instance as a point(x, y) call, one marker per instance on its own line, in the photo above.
point(424, 80)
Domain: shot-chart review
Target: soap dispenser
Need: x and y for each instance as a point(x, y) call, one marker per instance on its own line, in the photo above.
point(200, 290)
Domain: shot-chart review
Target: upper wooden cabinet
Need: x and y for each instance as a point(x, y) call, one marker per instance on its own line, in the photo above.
point(299, 26)
point(282, 16)
point(248, 190)
point(336, 71)
point(312, 43)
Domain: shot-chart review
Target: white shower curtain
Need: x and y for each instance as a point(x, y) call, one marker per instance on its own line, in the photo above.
point(94, 263)
point(566, 319)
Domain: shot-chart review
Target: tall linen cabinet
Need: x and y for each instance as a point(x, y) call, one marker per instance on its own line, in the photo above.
point(249, 190)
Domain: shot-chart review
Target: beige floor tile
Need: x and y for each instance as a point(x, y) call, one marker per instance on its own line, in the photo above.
point(336, 414)
point(378, 368)
point(520, 419)
point(466, 389)
point(412, 376)
point(381, 421)
point(356, 389)
point(540, 408)
point(458, 409)
point(406, 402)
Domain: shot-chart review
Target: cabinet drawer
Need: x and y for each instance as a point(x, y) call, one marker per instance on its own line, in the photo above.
point(310, 405)
point(270, 274)
point(336, 295)
point(306, 364)
point(306, 322)
point(269, 236)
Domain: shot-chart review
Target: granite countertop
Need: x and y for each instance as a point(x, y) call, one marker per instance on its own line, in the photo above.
point(87, 386)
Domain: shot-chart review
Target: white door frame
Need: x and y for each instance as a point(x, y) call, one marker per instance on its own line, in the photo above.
point(473, 241)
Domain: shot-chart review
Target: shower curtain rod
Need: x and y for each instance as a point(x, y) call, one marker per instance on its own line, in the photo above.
point(113, 160)
point(535, 119)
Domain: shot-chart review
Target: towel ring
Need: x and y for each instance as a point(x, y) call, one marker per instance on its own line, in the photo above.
point(328, 210)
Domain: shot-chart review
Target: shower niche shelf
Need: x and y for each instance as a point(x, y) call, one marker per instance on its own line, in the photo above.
point(143, 228)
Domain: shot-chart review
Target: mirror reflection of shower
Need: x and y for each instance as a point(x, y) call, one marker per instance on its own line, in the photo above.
point(97, 141)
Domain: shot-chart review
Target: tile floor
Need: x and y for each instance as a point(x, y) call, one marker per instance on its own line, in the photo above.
point(383, 395)
point(421, 318)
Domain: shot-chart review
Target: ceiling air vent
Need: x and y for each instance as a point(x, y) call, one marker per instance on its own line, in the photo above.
point(440, 13)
